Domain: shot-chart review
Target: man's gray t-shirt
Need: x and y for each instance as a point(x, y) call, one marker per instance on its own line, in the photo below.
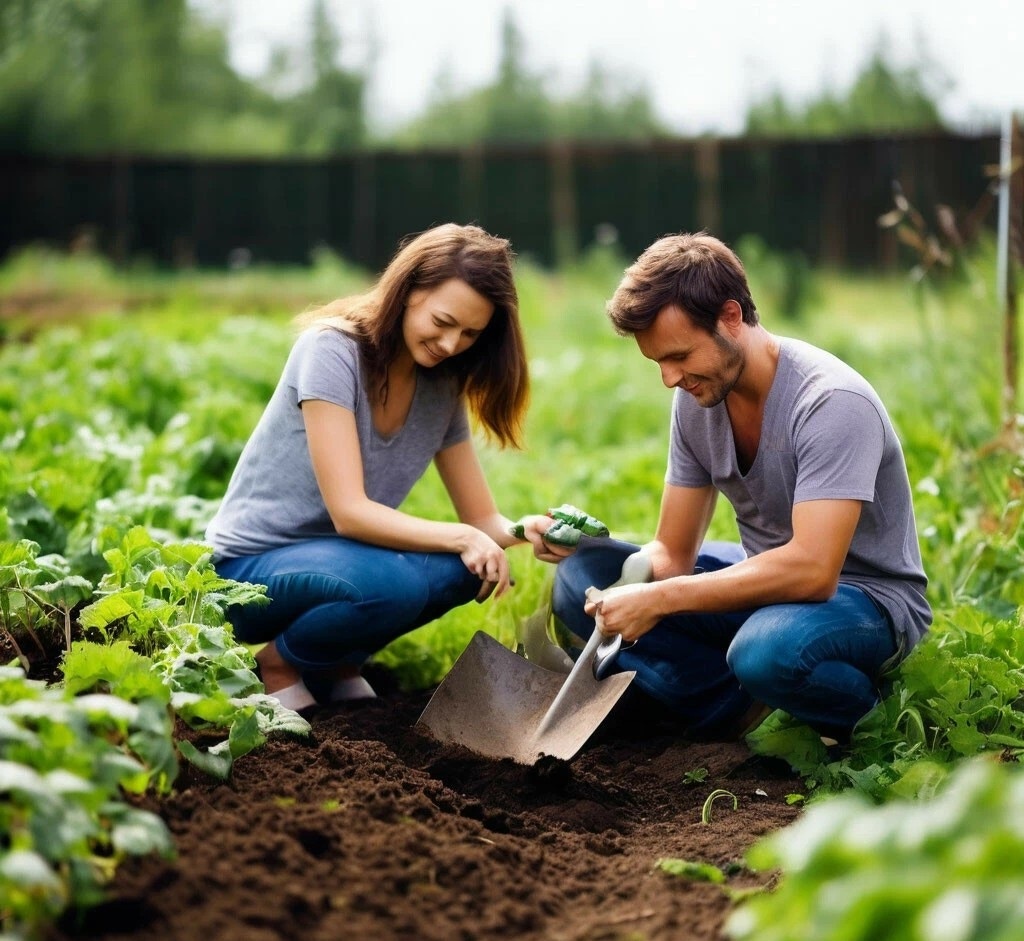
point(825, 436)
point(273, 498)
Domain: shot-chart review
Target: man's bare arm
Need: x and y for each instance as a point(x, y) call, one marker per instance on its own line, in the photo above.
point(806, 569)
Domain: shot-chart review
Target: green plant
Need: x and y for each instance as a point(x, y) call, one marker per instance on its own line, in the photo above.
point(701, 872)
point(35, 590)
point(951, 867)
point(64, 827)
point(717, 794)
point(153, 585)
point(161, 610)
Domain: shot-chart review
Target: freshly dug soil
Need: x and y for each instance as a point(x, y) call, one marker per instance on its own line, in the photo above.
point(371, 830)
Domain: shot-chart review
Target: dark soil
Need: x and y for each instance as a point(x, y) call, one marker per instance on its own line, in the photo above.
point(371, 830)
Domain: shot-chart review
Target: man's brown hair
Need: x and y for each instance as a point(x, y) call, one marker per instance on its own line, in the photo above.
point(697, 272)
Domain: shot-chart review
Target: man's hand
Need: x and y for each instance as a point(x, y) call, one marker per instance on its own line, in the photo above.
point(629, 610)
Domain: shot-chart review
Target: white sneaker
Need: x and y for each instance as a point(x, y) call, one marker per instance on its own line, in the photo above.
point(351, 688)
point(295, 697)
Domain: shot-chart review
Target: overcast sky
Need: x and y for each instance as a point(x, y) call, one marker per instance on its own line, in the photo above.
point(702, 61)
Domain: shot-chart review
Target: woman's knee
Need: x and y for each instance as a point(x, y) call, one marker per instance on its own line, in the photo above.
point(448, 584)
point(330, 576)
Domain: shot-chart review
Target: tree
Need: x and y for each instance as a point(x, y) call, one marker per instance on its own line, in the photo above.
point(98, 76)
point(608, 107)
point(329, 114)
point(517, 106)
point(138, 76)
point(883, 98)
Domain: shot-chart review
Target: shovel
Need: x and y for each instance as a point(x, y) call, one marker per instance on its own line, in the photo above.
point(496, 703)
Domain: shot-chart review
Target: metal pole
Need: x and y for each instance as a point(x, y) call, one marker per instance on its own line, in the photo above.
point(1003, 236)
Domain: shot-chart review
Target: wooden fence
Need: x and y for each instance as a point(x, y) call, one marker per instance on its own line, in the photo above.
point(819, 198)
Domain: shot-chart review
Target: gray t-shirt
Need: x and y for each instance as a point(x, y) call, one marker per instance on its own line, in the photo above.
point(273, 498)
point(825, 436)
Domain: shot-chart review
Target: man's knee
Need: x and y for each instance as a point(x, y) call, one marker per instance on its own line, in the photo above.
point(758, 663)
point(572, 576)
point(571, 581)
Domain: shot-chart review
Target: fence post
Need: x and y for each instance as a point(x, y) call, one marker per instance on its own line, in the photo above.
point(122, 210)
point(564, 220)
point(709, 203)
point(833, 246)
point(471, 183)
point(364, 208)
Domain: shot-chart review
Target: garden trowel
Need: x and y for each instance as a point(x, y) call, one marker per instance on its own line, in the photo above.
point(500, 704)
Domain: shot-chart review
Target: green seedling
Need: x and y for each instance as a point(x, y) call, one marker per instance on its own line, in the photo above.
point(705, 813)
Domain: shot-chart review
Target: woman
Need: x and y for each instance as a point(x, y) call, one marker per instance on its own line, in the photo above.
point(375, 388)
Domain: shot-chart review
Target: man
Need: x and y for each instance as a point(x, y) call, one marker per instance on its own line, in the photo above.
point(827, 590)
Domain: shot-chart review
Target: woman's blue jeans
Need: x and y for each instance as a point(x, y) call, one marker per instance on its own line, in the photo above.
point(336, 601)
point(819, 662)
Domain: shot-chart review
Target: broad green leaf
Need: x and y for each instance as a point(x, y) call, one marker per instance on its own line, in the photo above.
point(245, 733)
point(117, 666)
point(11, 731)
point(65, 593)
point(107, 610)
point(273, 717)
point(64, 782)
point(138, 832)
point(215, 761)
point(18, 777)
point(29, 870)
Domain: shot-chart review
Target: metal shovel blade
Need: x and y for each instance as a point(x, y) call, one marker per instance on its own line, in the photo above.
point(494, 702)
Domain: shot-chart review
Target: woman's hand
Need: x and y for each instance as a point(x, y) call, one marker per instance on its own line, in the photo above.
point(485, 559)
point(534, 527)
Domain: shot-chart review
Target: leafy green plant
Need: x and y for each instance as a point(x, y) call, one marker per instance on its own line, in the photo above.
point(161, 610)
point(154, 585)
point(35, 590)
point(951, 867)
point(64, 763)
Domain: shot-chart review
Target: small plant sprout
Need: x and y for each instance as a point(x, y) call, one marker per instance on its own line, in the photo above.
point(705, 814)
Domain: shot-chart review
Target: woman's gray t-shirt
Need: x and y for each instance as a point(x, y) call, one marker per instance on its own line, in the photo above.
point(825, 435)
point(273, 499)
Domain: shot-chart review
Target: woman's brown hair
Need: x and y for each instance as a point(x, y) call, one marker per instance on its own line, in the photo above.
point(492, 373)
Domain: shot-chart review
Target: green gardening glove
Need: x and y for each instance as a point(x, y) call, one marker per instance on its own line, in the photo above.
point(570, 523)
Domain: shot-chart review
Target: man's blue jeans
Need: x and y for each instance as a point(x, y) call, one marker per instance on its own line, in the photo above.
point(336, 601)
point(818, 662)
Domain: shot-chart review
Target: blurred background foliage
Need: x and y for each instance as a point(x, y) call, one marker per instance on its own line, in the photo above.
point(144, 77)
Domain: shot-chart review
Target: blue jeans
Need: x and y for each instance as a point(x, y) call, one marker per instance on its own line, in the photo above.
point(818, 662)
point(336, 601)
